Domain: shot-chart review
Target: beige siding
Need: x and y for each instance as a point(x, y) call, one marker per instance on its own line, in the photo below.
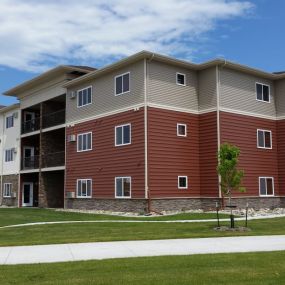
point(238, 93)
point(207, 89)
point(163, 90)
point(280, 97)
point(103, 94)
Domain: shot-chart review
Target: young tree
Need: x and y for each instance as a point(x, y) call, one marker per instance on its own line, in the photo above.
point(231, 177)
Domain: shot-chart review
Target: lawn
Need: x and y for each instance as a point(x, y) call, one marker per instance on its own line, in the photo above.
point(115, 231)
point(266, 268)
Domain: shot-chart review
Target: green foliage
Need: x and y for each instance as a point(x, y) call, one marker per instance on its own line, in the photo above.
point(231, 177)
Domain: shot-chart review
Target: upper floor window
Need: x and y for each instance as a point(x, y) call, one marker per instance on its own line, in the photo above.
point(9, 122)
point(84, 188)
point(182, 182)
point(122, 83)
point(7, 192)
point(181, 130)
point(9, 155)
point(84, 96)
point(123, 187)
point(264, 139)
point(123, 135)
point(180, 79)
point(266, 186)
point(262, 92)
point(84, 142)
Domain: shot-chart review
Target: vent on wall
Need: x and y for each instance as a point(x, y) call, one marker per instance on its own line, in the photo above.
point(72, 94)
point(71, 138)
point(70, 194)
point(15, 115)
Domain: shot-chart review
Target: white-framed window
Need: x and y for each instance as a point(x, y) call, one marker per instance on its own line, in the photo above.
point(123, 135)
point(7, 190)
point(122, 83)
point(266, 186)
point(264, 139)
point(182, 182)
point(262, 92)
point(181, 130)
point(9, 122)
point(84, 188)
point(84, 142)
point(9, 155)
point(84, 96)
point(180, 79)
point(123, 187)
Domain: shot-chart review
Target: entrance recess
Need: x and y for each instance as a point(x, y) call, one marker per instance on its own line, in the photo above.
point(27, 196)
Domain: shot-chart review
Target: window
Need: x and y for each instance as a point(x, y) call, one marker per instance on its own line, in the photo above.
point(123, 187)
point(264, 139)
point(262, 92)
point(84, 96)
point(122, 83)
point(181, 130)
point(266, 186)
point(180, 79)
point(123, 135)
point(9, 122)
point(182, 182)
point(84, 142)
point(84, 188)
point(9, 155)
point(7, 190)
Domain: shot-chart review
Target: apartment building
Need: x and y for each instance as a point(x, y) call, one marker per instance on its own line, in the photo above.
point(143, 133)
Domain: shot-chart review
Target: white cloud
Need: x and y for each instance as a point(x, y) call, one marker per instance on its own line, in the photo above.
point(37, 34)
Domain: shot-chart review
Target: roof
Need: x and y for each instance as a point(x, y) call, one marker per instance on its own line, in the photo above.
point(2, 106)
point(44, 76)
point(8, 108)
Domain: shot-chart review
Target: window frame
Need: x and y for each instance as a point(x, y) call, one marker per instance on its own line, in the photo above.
point(91, 190)
point(122, 126)
point(269, 92)
point(7, 120)
point(177, 83)
point(77, 96)
point(273, 190)
point(262, 130)
point(12, 155)
point(5, 190)
point(82, 134)
point(178, 181)
point(123, 197)
point(115, 83)
point(177, 129)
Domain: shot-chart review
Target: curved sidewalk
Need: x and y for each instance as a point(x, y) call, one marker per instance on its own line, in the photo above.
point(124, 249)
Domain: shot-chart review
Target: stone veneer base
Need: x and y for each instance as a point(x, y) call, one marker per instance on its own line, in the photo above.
point(14, 179)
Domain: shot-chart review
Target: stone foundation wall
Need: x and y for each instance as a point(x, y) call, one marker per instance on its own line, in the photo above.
point(14, 179)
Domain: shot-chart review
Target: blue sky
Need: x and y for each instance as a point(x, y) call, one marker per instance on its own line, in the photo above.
point(248, 32)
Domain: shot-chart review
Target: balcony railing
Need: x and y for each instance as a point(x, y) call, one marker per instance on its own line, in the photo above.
point(48, 160)
point(48, 120)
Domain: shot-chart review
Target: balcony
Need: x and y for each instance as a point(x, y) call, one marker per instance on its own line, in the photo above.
point(31, 126)
point(31, 162)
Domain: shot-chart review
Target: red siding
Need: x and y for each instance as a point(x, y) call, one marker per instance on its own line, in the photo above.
point(281, 155)
point(105, 160)
point(170, 156)
point(208, 154)
point(241, 131)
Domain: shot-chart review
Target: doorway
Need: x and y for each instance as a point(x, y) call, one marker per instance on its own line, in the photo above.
point(27, 195)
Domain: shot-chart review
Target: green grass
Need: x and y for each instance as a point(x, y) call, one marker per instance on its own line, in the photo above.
point(14, 216)
point(223, 269)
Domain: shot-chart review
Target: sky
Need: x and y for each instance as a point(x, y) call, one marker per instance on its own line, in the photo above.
point(38, 35)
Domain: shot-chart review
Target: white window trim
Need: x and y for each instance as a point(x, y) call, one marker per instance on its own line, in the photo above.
point(7, 196)
point(261, 130)
point(13, 157)
point(6, 118)
point(123, 197)
point(81, 134)
point(181, 124)
point(91, 190)
point(115, 83)
point(122, 126)
point(269, 91)
point(266, 177)
point(182, 176)
point(179, 73)
point(77, 96)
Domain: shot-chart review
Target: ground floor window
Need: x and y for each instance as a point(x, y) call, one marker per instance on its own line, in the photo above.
point(123, 187)
point(182, 182)
point(266, 186)
point(7, 192)
point(84, 188)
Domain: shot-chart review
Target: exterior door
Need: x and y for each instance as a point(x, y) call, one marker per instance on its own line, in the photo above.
point(28, 154)
point(29, 120)
point(27, 195)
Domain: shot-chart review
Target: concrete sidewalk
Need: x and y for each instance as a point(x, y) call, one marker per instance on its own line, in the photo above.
point(123, 249)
